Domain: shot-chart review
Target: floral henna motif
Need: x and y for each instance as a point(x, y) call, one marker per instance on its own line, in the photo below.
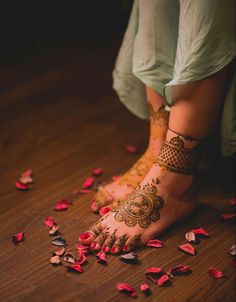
point(142, 207)
point(133, 241)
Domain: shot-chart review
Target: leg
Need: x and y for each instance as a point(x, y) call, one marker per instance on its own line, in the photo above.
point(168, 191)
point(115, 192)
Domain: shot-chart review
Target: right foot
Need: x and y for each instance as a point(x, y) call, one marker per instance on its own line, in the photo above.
point(114, 193)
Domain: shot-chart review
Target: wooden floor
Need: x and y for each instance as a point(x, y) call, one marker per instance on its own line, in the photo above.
point(60, 117)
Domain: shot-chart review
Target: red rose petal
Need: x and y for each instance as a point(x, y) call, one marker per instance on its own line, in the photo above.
point(62, 205)
point(214, 273)
point(81, 258)
point(131, 149)
point(104, 210)
point(179, 269)
point(88, 183)
point(21, 186)
point(49, 221)
point(28, 172)
point(75, 268)
point(155, 243)
point(144, 287)
point(126, 289)
point(85, 191)
point(187, 248)
point(101, 258)
point(80, 248)
point(232, 201)
point(97, 172)
point(18, 237)
point(200, 231)
point(153, 273)
point(228, 216)
point(116, 177)
point(163, 280)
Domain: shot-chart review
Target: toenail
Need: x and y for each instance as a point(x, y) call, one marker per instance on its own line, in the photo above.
point(104, 210)
point(114, 250)
point(84, 235)
point(105, 249)
point(126, 248)
point(94, 245)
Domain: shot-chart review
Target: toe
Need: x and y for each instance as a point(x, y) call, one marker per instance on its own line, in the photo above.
point(89, 236)
point(109, 242)
point(99, 240)
point(118, 244)
point(131, 243)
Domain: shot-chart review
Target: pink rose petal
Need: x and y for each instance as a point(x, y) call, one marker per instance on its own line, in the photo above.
point(155, 243)
point(232, 201)
point(131, 149)
point(163, 280)
point(214, 273)
point(21, 186)
point(144, 287)
point(88, 183)
point(81, 259)
point(228, 216)
point(101, 258)
point(62, 205)
point(104, 210)
point(28, 172)
point(200, 231)
point(97, 172)
point(75, 268)
point(26, 180)
point(187, 248)
point(126, 289)
point(85, 191)
point(80, 248)
point(60, 252)
point(49, 221)
point(179, 269)
point(19, 237)
point(153, 273)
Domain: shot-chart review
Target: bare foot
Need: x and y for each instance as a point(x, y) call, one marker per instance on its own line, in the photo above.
point(166, 195)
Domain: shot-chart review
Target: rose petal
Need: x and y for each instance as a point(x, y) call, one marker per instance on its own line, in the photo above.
point(49, 221)
point(19, 237)
point(26, 180)
point(101, 258)
point(80, 248)
point(129, 258)
point(179, 269)
point(88, 183)
point(58, 241)
point(97, 172)
point(214, 273)
point(28, 172)
point(163, 280)
point(81, 258)
point(75, 268)
point(60, 252)
point(62, 205)
point(153, 273)
point(155, 243)
point(190, 237)
point(228, 216)
point(200, 231)
point(69, 257)
point(233, 262)
point(54, 230)
point(144, 287)
point(232, 201)
point(126, 289)
point(187, 248)
point(85, 191)
point(21, 186)
point(104, 210)
point(55, 260)
point(232, 251)
point(116, 177)
point(131, 149)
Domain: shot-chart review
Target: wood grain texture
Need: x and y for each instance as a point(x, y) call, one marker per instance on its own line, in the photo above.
point(60, 117)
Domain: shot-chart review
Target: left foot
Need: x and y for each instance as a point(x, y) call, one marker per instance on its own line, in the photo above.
point(163, 198)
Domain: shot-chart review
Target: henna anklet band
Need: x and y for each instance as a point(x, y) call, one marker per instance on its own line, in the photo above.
point(176, 158)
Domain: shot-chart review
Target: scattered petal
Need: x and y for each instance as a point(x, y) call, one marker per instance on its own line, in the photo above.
point(69, 257)
point(179, 269)
point(116, 177)
point(54, 230)
point(201, 232)
point(126, 289)
point(232, 251)
point(129, 258)
point(81, 258)
point(26, 180)
point(88, 183)
point(190, 237)
point(62, 205)
point(233, 262)
point(59, 252)
point(214, 273)
point(19, 237)
point(97, 172)
point(28, 172)
point(21, 186)
point(144, 287)
point(155, 243)
point(55, 260)
point(49, 221)
point(154, 273)
point(131, 149)
point(80, 248)
point(75, 268)
point(85, 191)
point(187, 248)
point(104, 210)
point(101, 258)
point(228, 216)
point(163, 280)
point(58, 241)
point(232, 201)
